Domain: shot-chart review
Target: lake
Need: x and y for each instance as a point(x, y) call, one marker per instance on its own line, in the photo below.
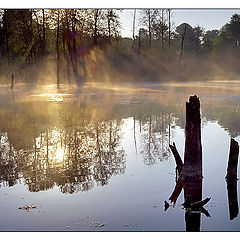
point(97, 158)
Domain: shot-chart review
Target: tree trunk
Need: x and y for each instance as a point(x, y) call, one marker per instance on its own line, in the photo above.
point(12, 82)
point(169, 33)
point(77, 76)
point(63, 45)
point(109, 24)
point(139, 44)
point(134, 21)
point(57, 45)
point(44, 38)
point(182, 45)
point(74, 39)
point(95, 34)
point(149, 31)
point(5, 22)
point(162, 29)
point(68, 69)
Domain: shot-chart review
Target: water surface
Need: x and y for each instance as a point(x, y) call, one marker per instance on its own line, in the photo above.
point(97, 158)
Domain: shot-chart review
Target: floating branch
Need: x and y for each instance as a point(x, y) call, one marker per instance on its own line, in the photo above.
point(177, 157)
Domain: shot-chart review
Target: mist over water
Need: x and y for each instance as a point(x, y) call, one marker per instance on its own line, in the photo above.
point(100, 153)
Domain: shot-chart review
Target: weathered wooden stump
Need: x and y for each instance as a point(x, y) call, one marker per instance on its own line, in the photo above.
point(232, 160)
point(192, 167)
point(191, 171)
point(193, 147)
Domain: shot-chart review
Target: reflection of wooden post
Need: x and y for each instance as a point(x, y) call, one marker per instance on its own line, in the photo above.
point(232, 198)
point(193, 219)
point(233, 160)
point(193, 147)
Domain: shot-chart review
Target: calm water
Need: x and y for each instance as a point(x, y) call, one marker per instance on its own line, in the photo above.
point(97, 158)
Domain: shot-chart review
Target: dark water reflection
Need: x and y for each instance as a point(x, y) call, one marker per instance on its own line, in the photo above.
point(78, 141)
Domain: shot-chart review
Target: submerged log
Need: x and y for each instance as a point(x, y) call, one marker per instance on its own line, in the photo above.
point(177, 157)
point(233, 160)
point(193, 147)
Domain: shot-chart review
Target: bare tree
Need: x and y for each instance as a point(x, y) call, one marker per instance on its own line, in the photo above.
point(148, 20)
point(57, 46)
point(182, 44)
point(44, 34)
point(134, 23)
point(169, 33)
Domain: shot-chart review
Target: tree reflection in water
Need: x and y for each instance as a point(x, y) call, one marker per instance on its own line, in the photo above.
point(77, 149)
point(75, 159)
point(155, 136)
point(76, 145)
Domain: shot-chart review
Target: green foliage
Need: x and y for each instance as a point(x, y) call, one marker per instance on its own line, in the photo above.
point(192, 40)
point(30, 38)
point(208, 41)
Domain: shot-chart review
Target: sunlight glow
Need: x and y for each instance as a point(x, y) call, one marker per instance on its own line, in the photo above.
point(59, 155)
point(52, 97)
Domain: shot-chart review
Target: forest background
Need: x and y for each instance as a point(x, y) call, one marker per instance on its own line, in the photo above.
point(78, 45)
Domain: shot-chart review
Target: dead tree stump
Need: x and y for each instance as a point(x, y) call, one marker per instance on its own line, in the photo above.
point(193, 147)
point(233, 160)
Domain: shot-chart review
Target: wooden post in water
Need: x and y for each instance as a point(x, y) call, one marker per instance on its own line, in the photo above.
point(193, 147)
point(12, 81)
point(233, 160)
point(191, 174)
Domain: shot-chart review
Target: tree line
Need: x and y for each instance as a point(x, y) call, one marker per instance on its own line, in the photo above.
point(76, 45)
